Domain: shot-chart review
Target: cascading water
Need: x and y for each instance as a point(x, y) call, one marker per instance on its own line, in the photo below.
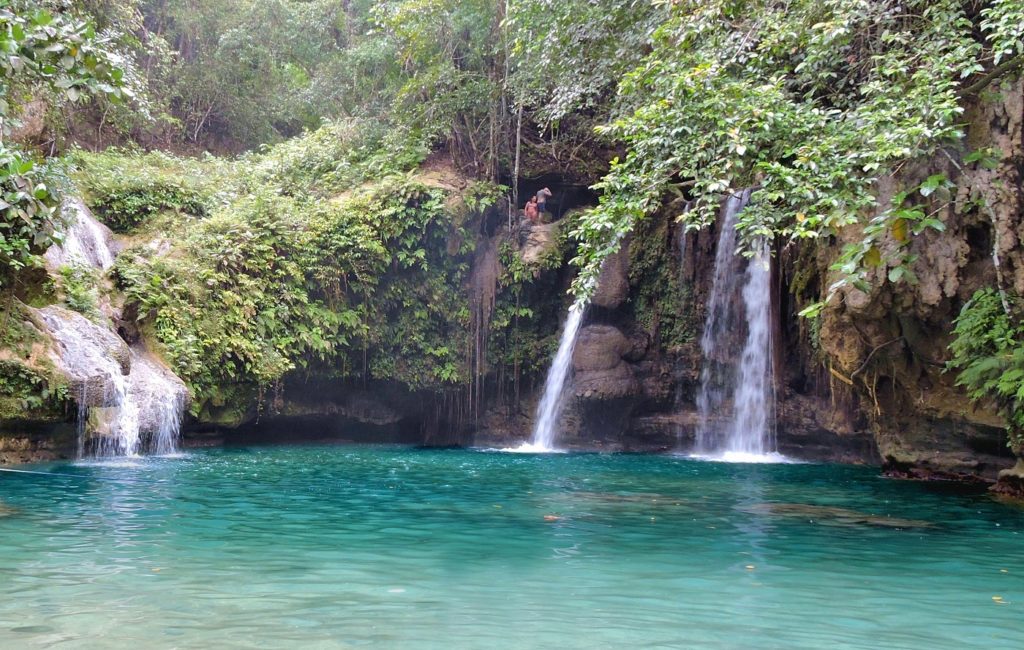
point(551, 402)
point(554, 386)
point(736, 400)
point(128, 402)
point(86, 241)
point(681, 241)
point(119, 414)
point(158, 401)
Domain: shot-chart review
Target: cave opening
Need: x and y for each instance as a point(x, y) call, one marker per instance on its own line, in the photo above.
point(565, 194)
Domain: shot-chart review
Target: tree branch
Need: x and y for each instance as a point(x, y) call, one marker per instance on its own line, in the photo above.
point(1000, 70)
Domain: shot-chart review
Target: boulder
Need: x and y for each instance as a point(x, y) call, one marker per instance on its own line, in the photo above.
point(604, 385)
point(539, 240)
point(613, 282)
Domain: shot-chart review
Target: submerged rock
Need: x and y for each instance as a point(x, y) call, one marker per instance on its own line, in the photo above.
point(832, 515)
point(1011, 481)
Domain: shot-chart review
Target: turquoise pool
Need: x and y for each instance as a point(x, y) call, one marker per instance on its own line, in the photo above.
point(344, 547)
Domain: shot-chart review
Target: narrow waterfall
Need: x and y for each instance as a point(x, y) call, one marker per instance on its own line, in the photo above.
point(736, 400)
point(546, 427)
point(752, 429)
point(681, 241)
point(155, 405)
point(554, 386)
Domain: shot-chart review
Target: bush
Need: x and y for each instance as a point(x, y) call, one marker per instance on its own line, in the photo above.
point(126, 187)
point(988, 352)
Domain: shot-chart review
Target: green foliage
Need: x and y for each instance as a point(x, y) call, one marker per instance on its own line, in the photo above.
point(569, 55)
point(79, 287)
point(60, 51)
point(364, 285)
point(24, 391)
point(658, 292)
point(28, 385)
point(244, 72)
point(336, 157)
point(451, 56)
point(988, 353)
point(810, 102)
point(64, 54)
point(29, 218)
point(524, 323)
point(1003, 23)
point(125, 187)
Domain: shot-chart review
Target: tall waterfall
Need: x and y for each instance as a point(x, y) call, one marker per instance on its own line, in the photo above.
point(736, 400)
point(681, 241)
point(551, 403)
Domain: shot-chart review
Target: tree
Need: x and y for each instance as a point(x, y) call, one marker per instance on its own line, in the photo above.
point(60, 52)
point(809, 101)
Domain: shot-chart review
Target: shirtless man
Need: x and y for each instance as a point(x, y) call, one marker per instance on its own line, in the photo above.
point(542, 199)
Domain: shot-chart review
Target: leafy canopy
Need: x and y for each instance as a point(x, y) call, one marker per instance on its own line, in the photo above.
point(64, 54)
point(810, 102)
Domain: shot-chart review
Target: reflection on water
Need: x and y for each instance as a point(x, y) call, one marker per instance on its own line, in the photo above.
point(340, 547)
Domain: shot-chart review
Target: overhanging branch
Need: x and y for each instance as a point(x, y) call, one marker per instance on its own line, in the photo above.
point(1000, 70)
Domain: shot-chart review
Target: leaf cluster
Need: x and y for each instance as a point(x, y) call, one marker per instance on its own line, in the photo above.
point(988, 354)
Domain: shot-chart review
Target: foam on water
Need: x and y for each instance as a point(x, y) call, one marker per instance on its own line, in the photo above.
point(530, 448)
point(744, 457)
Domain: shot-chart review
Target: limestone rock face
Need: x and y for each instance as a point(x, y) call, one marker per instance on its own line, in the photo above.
point(539, 240)
point(32, 127)
point(361, 406)
point(94, 359)
point(889, 343)
point(604, 385)
point(613, 283)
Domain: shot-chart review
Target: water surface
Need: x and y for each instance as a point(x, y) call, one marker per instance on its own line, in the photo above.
point(342, 547)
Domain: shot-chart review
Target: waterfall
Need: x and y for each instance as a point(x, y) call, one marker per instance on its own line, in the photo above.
point(85, 241)
point(681, 240)
point(550, 407)
point(554, 386)
point(736, 400)
point(155, 405)
point(128, 402)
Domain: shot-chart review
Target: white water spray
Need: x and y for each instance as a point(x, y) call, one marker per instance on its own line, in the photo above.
point(736, 401)
point(128, 402)
point(553, 400)
point(86, 241)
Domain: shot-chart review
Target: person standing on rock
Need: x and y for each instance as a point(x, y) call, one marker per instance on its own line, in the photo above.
point(542, 200)
point(531, 211)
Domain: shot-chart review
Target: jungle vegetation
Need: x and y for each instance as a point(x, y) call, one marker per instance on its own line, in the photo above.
point(276, 142)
